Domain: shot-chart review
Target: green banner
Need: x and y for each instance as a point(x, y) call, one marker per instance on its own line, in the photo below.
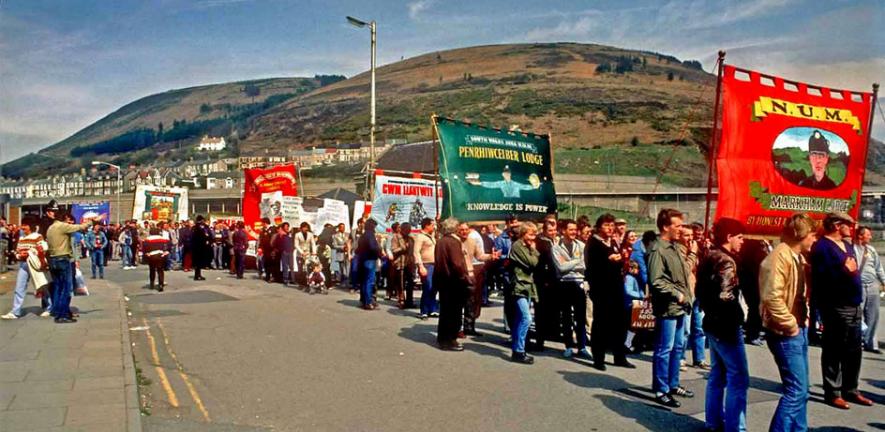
point(489, 173)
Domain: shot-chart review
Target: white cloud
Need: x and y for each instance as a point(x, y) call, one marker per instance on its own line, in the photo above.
point(566, 30)
point(417, 7)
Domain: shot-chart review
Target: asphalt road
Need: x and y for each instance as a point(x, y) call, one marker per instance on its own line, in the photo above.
point(229, 355)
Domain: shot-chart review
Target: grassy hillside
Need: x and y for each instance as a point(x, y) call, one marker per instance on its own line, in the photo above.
point(556, 88)
point(609, 111)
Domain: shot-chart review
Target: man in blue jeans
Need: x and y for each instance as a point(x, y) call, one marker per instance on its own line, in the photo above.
point(96, 240)
point(784, 310)
point(58, 237)
point(425, 244)
point(671, 299)
point(368, 251)
point(719, 295)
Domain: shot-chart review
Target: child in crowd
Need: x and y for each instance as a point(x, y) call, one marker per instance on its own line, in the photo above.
point(633, 294)
point(316, 281)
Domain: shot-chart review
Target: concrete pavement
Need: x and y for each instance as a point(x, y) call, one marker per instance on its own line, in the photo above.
point(242, 356)
point(267, 357)
point(69, 377)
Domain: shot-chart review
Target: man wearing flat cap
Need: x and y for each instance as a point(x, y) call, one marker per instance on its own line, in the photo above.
point(819, 158)
point(837, 292)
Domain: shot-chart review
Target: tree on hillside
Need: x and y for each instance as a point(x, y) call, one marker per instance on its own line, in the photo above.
point(329, 79)
point(669, 76)
point(252, 91)
point(604, 68)
point(624, 65)
point(693, 64)
point(160, 132)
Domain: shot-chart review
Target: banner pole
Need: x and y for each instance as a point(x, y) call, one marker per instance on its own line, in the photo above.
point(552, 170)
point(721, 63)
point(435, 139)
point(300, 180)
point(870, 129)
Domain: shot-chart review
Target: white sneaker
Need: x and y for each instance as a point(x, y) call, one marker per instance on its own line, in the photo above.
point(45, 314)
point(9, 316)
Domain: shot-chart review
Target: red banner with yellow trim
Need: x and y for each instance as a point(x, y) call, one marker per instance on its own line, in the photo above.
point(267, 192)
point(789, 147)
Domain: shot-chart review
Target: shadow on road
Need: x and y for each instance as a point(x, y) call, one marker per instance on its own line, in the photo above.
point(877, 383)
point(635, 405)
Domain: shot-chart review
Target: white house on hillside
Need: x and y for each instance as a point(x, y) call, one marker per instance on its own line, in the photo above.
point(211, 143)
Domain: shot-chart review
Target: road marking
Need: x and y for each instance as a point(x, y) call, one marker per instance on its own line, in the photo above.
point(161, 373)
point(190, 387)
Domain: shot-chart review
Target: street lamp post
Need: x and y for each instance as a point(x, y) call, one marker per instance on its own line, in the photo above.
point(119, 185)
point(359, 23)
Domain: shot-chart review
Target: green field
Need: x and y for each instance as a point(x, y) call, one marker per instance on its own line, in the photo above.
point(644, 160)
point(795, 159)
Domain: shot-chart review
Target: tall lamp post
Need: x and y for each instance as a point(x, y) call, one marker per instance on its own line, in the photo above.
point(119, 184)
point(362, 24)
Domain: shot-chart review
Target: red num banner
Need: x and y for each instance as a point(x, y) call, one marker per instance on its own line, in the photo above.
point(265, 192)
point(789, 147)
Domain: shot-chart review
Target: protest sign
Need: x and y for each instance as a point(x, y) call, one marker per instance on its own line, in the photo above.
point(154, 203)
point(82, 211)
point(788, 147)
point(490, 173)
point(401, 199)
point(267, 192)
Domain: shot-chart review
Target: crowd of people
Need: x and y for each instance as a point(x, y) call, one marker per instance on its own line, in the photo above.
point(562, 280)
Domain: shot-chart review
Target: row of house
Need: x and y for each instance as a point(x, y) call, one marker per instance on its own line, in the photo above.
point(224, 173)
point(315, 156)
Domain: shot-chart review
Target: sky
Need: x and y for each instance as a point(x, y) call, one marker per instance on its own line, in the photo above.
point(66, 63)
point(798, 137)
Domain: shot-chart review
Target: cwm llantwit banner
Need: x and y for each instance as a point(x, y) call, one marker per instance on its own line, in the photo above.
point(270, 193)
point(789, 147)
point(81, 211)
point(490, 173)
point(401, 199)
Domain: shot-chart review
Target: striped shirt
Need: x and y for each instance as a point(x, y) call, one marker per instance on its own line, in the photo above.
point(25, 244)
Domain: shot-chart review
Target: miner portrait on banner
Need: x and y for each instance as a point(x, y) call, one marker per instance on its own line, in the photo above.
point(508, 187)
point(819, 158)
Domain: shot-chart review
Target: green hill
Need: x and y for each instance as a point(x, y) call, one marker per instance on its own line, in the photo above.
point(609, 110)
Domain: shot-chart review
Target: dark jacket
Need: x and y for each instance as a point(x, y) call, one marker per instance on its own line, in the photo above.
point(719, 295)
point(667, 278)
point(45, 223)
point(241, 241)
point(282, 244)
point(524, 263)
point(545, 274)
point(368, 248)
point(604, 275)
point(264, 240)
point(184, 236)
point(832, 285)
point(450, 265)
point(201, 245)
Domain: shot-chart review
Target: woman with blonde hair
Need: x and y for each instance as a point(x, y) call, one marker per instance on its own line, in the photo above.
point(524, 257)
